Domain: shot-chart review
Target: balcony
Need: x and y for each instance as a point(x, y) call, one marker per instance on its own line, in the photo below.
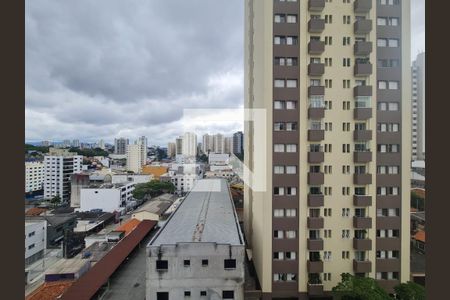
point(362, 6)
point(362, 69)
point(362, 244)
point(316, 5)
point(315, 244)
point(362, 135)
point(362, 26)
point(314, 90)
point(362, 90)
point(315, 266)
point(362, 200)
point(316, 135)
point(315, 222)
point(316, 25)
point(362, 48)
point(362, 179)
point(362, 157)
point(364, 266)
point(362, 222)
point(362, 114)
point(315, 289)
point(315, 200)
point(315, 178)
point(316, 157)
point(316, 47)
point(316, 113)
point(316, 69)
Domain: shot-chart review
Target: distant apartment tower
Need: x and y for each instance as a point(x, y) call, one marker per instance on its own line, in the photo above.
point(179, 145)
point(66, 144)
point(189, 144)
point(218, 143)
point(34, 176)
point(228, 145)
point(60, 164)
point(199, 253)
point(334, 78)
point(45, 143)
point(101, 144)
point(238, 142)
point(134, 158)
point(76, 143)
point(143, 142)
point(207, 143)
point(171, 150)
point(120, 145)
point(418, 107)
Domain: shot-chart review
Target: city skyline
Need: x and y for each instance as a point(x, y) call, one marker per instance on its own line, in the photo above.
point(77, 88)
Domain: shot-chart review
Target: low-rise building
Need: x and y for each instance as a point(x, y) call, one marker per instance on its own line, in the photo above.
point(155, 170)
point(35, 240)
point(135, 178)
point(227, 174)
point(57, 226)
point(218, 159)
point(106, 197)
point(199, 252)
point(67, 269)
point(155, 208)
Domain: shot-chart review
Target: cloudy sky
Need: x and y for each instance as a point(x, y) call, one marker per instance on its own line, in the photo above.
point(103, 69)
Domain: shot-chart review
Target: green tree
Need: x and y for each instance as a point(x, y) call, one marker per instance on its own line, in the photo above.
point(409, 291)
point(29, 147)
point(203, 158)
point(160, 154)
point(359, 288)
point(152, 188)
point(90, 152)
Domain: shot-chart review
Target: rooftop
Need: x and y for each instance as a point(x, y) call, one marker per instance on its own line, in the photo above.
point(420, 236)
point(206, 215)
point(35, 211)
point(50, 290)
point(157, 205)
point(128, 226)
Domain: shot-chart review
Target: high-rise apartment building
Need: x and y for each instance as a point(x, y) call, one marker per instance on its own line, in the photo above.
point(101, 144)
point(171, 150)
point(238, 142)
point(207, 143)
point(120, 145)
point(134, 158)
point(418, 107)
point(76, 143)
point(142, 141)
point(334, 78)
point(228, 145)
point(189, 144)
point(218, 143)
point(34, 176)
point(179, 145)
point(60, 164)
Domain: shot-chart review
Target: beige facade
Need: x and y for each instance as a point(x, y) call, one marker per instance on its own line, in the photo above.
point(348, 179)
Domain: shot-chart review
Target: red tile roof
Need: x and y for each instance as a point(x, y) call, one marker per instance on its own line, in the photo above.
point(419, 192)
point(34, 211)
point(420, 236)
point(128, 226)
point(50, 290)
point(88, 284)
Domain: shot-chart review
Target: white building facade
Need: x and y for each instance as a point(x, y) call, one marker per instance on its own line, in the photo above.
point(134, 158)
point(35, 240)
point(107, 197)
point(58, 166)
point(34, 176)
point(189, 144)
point(418, 107)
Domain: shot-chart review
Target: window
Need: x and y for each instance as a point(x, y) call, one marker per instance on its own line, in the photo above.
point(187, 262)
point(278, 191)
point(346, 234)
point(291, 212)
point(291, 148)
point(31, 233)
point(381, 42)
point(278, 169)
point(291, 18)
point(328, 19)
point(291, 234)
point(203, 293)
point(162, 295)
point(393, 85)
point(284, 277)
point(291, 83)
point(393, 43)
point(381, 21)
point(327, 255)
point(227, 294)
point(291, 169)
point(278, 104)
point(187, 293)
point(162, 265)
point(345, 254)
point(205, 262)
point(278, 213)
point(382, 85)
point(229, 264)
point(291, 191)
point(328, 40)
point(278, 234)
point(278, 148)
point(291, 104)
point(278, 255)
point(279, 83)
point(31, 246)
point(346, 212)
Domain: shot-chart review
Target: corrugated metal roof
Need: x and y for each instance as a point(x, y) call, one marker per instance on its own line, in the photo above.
point(128, 226)
point(206, 215)
point(90, 283)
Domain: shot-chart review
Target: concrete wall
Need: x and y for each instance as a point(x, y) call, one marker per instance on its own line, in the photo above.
point(212, 278)
point(108, 200)
point(38, 238)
